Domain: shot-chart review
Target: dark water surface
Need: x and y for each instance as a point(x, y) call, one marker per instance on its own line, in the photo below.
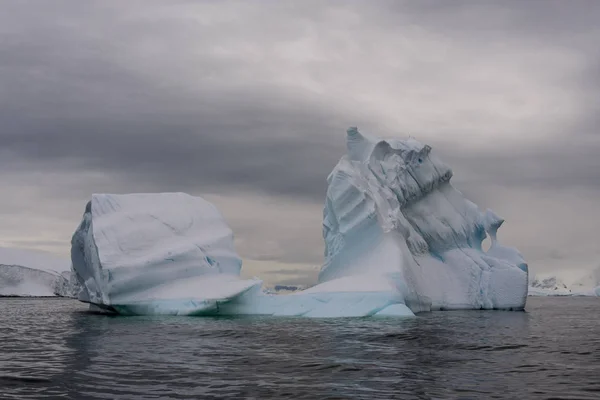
point(54, 348)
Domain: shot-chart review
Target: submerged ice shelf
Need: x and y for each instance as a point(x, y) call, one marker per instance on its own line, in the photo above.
point(399, 239)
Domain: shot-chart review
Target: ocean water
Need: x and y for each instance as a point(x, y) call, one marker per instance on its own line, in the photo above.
point(54, 348)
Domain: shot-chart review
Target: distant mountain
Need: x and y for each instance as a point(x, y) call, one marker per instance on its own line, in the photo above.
point(587, 285)
point(33, 273)
point(550, 286)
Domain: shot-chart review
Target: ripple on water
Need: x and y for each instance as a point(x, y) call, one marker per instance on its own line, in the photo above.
point(53, 348)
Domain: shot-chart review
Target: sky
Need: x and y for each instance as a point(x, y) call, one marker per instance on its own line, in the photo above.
point(246, 104)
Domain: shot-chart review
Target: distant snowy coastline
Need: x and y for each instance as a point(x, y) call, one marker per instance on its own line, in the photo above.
point(32, 273)
point(553, 285)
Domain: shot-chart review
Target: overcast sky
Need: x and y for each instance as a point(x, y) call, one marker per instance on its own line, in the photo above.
point(247, 103)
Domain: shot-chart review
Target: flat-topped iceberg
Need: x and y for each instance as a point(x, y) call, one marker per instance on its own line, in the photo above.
point(162, 253)
point(399, 239)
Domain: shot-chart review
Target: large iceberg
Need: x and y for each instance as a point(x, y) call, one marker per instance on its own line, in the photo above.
point(399, 239)
point(32, 273)
point(165, 253)
point(392, 212)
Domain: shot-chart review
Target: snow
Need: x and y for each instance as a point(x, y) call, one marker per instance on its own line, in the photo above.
point(548, 286)
point(399, 239)
point(566, 283)
point(26, 272)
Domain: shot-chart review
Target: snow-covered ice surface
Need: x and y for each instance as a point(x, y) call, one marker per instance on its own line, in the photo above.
point(32, 273)
point(399, 240)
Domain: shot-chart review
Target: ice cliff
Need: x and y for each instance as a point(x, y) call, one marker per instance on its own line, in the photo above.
point(32, 273)
point(399, 239)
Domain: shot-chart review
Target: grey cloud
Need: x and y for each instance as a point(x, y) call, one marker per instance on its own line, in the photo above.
point(80, 108)
point(499, 22)
point(232, 97)
point(72, 100)
point(565, 163)
point(178, 155)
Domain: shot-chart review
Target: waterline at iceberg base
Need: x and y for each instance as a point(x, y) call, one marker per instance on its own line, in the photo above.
point(399, 239)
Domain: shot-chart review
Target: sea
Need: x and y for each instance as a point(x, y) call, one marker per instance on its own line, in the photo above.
point(56, 349)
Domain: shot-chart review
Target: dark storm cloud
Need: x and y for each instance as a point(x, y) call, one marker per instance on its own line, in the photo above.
point(233, 97)
point(70, 101)
point(565, 163)
point(175, 155)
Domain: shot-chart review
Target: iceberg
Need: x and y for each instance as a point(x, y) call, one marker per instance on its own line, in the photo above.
point(392, 212)
point(399, 239)
point(32, 273)
point(162, 253)
point(173, 254)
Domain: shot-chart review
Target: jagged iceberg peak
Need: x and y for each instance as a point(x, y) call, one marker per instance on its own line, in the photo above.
point(376, 179)
point(405, 166)
point(390, 208)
